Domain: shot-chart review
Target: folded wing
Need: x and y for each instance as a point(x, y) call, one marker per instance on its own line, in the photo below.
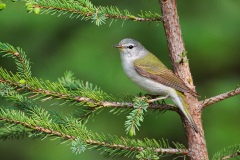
point(154, 69)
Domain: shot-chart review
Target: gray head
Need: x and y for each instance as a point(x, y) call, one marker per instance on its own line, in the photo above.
point(131, 49)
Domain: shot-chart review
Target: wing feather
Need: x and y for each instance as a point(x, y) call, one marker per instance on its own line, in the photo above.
point(154, 69)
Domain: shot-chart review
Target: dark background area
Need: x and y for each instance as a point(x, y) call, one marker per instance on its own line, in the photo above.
point(54, 45)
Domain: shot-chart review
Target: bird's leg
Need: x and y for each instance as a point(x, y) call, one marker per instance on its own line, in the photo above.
point(163, 102)
point(157, 99)
point(151, 96)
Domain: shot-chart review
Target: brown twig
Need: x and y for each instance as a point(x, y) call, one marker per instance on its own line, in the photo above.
point(203, 104)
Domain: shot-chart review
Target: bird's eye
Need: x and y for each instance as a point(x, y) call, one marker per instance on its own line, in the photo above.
point(130, 46)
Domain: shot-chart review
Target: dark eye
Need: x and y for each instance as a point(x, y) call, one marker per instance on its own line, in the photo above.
point(130, 46)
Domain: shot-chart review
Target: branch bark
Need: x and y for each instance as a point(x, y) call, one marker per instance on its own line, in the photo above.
point(196, 141)
point(218, 98)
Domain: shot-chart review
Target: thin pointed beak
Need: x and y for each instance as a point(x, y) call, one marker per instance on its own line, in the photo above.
point(118, 46)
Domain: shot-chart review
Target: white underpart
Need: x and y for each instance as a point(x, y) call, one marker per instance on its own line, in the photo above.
point(147, 84)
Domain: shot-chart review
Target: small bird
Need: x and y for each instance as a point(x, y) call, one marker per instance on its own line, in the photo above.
point(150, 74)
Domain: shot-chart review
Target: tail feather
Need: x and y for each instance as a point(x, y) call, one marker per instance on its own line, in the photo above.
point(182, 104)
point(192, 123)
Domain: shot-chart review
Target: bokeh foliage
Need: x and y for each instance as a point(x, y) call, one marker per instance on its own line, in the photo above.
point(56, 44)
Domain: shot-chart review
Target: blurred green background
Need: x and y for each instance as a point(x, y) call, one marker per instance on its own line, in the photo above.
point(57, 44)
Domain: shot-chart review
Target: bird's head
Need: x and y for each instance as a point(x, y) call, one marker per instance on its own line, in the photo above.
point(131, 49)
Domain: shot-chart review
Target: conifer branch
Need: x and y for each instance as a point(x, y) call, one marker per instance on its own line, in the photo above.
point(139, 149)
point(38, 121)
point(48, 127)
point(37, 128)
point(154, 106)
point(87, 11)
point(23, 67)
point(218, 98)
point(95, 142)
point(14, 81)
point(13, 132)
point(136, 116)
point(231, 156)
point(227, 153)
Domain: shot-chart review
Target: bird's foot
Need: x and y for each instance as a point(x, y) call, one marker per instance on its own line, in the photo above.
point(157, 99)
point(163, 102)
point(151, 96)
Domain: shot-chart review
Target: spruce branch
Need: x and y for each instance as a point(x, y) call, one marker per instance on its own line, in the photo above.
point(136, 116)
point(41, 121)
point(23, 67)
point(19, 118)
point(232, 155)
point(131, 151)
point(12, 132)
point(33, 121)
point(85, 94)
point(85, 10)
point(220, 97)
point(227, 153)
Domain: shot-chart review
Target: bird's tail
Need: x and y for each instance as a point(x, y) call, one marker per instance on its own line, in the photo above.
point(182, 104)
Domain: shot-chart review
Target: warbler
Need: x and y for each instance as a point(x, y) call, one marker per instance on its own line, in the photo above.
point(150, 74)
